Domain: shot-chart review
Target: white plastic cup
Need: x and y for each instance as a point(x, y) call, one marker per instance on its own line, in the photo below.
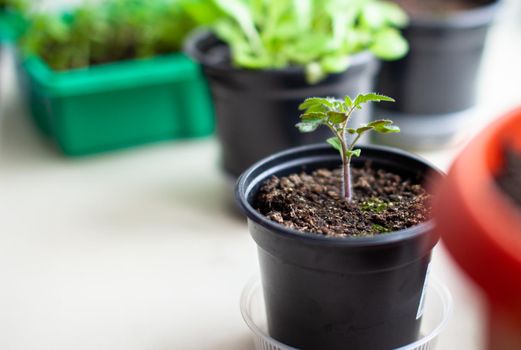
point(437, 312)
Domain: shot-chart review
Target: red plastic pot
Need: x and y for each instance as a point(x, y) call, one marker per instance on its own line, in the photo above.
point(481, 227)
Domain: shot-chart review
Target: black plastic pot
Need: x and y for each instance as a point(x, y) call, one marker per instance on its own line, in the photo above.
point(438, 76)
point(339, 293)
point(257, 110)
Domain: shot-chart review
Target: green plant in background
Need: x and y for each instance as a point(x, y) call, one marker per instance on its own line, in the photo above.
point(12, 18)
point(13, 4)
point(109, 31)
point(320, 35)
point(335, 114)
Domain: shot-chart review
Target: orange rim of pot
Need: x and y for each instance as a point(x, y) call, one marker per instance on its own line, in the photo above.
point(478, 222)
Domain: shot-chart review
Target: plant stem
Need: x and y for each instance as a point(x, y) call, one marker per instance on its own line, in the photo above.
point(346, 160)
point(348, 193)
point(346, 169)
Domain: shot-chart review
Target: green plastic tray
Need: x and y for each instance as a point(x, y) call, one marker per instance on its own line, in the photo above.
point(119, 105)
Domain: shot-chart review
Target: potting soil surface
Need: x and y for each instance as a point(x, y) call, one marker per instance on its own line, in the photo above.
point(382, 202)
point(510, 178)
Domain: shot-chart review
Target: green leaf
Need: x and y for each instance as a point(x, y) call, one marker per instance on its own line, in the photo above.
point(313, 117)
point(241, 13)
point(389, 44)
point(374, 205)
point(314, 102)
point(384, 126)
point(304, 14)
point(336, 117)
point(353, 153)
point(372, 16)
point(348, 101)
point(335, 63)
point(393, 14)
point(317, 109)
point(351, 131)
point(380, 122)
point(335, 142)
point(363, 129)
point(338, 106)
point(379, 229)
point(371, 97)
point(387, 129)
point(307, 127)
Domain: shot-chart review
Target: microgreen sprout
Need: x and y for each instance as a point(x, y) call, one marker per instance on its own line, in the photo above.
point(335, 114)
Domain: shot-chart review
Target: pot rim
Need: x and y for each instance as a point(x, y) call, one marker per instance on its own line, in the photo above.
point(192, 51)
point(474, 17)
point(243, 187)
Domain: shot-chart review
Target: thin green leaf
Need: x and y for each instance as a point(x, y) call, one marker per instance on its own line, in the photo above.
point(315, 101)
point(313, 117)
point(363, 129)
point(380, 229)
point(371, 97)
point(372, 16)
point(387, 129)
point(338, 106)
point(348, 101)
point(307, 127)
point(304, 12)
point(335, 142)
point(353, 153)
point(379, 122)
point(241, 13)
point(389, 44)
point(335, 63)
point(351, 131)
point(384, 126)
point(336, 117)
point(394, 14)
point(374, 205)
point(317, 109)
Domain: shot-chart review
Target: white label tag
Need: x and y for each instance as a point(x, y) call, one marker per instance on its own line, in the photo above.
point(421, 307)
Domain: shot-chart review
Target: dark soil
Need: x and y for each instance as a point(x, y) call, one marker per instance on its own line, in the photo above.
point(382, 202)
point(510, 178)
point(437, 7)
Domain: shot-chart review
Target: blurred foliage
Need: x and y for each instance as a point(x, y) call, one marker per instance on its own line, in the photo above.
point(109, 31)
point(13, 4)
point(12, 20)
point(318, 34)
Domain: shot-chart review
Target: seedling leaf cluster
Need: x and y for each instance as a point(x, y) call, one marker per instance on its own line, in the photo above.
point(319, 35)
point(336, 114)
point(108, 31)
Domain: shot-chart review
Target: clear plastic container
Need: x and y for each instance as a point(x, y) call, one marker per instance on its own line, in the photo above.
point(438, 309)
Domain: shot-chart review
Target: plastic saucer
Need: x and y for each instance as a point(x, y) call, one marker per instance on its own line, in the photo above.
point(437, 312)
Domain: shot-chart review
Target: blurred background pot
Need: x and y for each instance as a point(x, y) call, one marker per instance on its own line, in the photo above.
point(256, 110)
point(435, 84)
point(481, 227)
point(323, 292)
